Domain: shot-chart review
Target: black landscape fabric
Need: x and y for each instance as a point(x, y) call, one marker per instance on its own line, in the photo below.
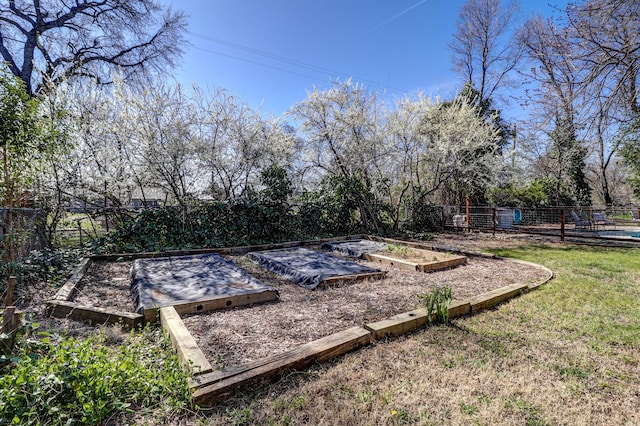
point(355, 248)
point(168, 281)
point(305, 267)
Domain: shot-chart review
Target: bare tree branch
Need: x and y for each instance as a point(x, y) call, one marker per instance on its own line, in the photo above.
point(46, 41)
point(483, 52)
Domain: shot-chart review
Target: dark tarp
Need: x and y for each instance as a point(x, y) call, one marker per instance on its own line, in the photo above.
point(305, 267)
point(355, 248)
point(168, 281)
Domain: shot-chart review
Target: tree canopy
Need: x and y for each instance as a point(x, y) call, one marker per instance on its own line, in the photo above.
point(45, 42)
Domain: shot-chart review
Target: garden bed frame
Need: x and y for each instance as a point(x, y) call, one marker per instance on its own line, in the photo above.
point(419, 266)
point(210, 386)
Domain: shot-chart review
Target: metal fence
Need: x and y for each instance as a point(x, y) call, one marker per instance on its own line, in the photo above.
point(563, 222)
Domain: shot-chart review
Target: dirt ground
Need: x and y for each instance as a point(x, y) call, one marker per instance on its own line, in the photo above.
point(244, 334)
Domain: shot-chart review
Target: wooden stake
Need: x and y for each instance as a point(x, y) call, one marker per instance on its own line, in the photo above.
point(8, 319)
point(8, 299)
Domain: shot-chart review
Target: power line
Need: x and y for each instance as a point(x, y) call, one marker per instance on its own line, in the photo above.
point(264, 54)
point(262, 64)
point(284, 59)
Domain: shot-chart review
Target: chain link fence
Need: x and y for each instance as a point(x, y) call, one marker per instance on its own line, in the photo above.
point(562, 222)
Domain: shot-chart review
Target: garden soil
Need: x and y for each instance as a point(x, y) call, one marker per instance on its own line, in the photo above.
point(245, 334)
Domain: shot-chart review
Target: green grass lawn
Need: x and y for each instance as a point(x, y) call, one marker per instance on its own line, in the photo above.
point(566, 353)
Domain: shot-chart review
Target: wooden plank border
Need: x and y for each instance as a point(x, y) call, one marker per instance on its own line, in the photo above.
point(222, 302)
point(405, 322)
point(92, 314)
point(354, 277)
point(183, 342)
point(68, 290)
point(494, 297)
point(295, 359)
point(427, 266)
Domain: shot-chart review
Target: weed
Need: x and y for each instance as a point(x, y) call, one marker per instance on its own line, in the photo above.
point(570, 372)
point(449, 363)
point(282, 404)
point(399, 250)
point(299, 402)
point(469, 409)
point(219, 362)
point(484, 399)
point(401, 417)
point(386, 396)
point(239, 416)
point(531, 415)
point(437, 304)
point(365, 397)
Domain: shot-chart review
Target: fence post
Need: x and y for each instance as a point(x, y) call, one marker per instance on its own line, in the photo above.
point(9, 325)
point(468, 211)
point(442, 219)
point(493, 220)
point(80, 232)
point(562, 225)
point(8, 298)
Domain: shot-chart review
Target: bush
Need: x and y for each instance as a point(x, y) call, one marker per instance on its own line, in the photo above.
point(47, 265)
point(225, 224)
point(69, 381)
point(539, 193)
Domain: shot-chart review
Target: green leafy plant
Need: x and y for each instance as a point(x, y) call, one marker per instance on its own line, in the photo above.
point(437, 303)
point(47, 265)
point(57, 380)
point(397, 249)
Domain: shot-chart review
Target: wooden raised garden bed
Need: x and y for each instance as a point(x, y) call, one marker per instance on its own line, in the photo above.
point(413, 259)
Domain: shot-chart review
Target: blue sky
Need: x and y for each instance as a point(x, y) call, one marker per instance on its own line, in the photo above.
point(271, 52)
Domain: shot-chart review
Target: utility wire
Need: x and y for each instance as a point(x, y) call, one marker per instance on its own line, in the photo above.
point(262, 64)
point(283, 59)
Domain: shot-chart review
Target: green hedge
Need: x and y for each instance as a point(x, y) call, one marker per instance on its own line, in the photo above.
point(233, 223)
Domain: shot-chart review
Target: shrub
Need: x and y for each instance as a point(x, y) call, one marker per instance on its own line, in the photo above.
point(47, 265)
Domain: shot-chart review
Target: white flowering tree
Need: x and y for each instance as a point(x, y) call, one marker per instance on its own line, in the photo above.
point(164, 126)
point(462, 154)
point(131, 140)
point(437, 152)
point(402, 169)
point(341, 132)
point(236, 143)
point(126, 142)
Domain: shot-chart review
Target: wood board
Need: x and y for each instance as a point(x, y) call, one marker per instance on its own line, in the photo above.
point(183, 342)
point(418, 260)
point(319, 350)
point(68, 290)
point(214, 304)
point(94, 315)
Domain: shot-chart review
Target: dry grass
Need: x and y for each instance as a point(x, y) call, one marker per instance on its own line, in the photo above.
point(568, 353)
